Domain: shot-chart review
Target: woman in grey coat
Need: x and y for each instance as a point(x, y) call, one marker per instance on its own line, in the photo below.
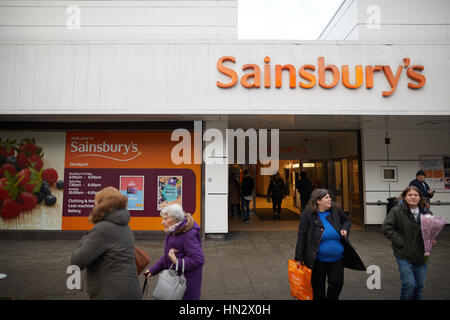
point(107, 252)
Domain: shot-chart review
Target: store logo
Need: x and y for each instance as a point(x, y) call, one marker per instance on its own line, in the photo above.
point(253, 79)
point(93, 150)
point(220, 149)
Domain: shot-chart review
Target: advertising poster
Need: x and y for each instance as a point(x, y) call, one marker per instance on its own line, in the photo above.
point(437, 171)
point(447, 172)
point(33, 160)
point(54, 177)
point(133, 188)
point(133, 162)
point(169, 191)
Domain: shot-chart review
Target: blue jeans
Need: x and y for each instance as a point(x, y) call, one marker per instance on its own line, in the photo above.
point(246, 209)
point(413, 279)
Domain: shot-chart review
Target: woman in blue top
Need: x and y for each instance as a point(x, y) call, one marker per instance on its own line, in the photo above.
point(323, 246)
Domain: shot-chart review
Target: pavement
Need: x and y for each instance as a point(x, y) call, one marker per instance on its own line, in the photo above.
point(247, 265)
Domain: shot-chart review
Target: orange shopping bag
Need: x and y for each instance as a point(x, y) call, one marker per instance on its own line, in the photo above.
point(300, 281)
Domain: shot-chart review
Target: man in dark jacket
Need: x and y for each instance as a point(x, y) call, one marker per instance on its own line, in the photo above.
point(304, 187)
point(423, 187)
point(247, 195)
point(277, 191)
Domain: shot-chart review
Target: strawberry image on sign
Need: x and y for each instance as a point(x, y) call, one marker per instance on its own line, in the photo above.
point(30, 179)
point(22, 160)
point(9, 189)
point(36, 162)
point(9, 167)
point(10, 209)
point(27, 200)
point(7, 148)
point(29, 147)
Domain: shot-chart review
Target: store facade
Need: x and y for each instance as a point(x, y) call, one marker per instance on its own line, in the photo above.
point(392, 98)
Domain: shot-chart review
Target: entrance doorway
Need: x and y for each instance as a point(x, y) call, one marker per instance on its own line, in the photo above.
point(329, 159)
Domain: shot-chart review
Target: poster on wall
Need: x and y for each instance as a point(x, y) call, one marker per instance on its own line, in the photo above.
point(447, 172)
point(31, 180)
point(133, 188)
point(48, 180)
point(437, 171)
point(169, 191)
point(136, 163)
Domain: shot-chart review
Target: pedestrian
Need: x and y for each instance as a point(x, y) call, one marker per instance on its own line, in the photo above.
point(323, 245)
point(402, 227)
point(182, 241)
point(234, 196)
point(247, 195)
point(277, 191)
point(305, 189)
point(422, 186)
point(107, 251)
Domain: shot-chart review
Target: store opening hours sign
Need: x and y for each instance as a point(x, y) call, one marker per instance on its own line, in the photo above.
point(132, 162)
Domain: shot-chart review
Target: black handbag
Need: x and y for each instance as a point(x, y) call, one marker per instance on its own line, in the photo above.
point(351, 257)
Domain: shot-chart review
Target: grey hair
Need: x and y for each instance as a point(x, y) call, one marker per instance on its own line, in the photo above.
point(174, 211)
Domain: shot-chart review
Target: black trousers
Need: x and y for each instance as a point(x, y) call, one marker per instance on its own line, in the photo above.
point(276, 204)
point(334, 271)
point(235, 208)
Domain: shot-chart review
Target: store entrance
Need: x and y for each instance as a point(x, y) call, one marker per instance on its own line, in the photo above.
point(329, 161)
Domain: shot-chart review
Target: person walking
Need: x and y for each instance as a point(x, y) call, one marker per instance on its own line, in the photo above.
point(276, 191)
point(402, 227)
point(234, 196)
point(107, 251)
point(305, 189)
point(422, 186)
point(247, 195)
point(182, 241)
point(323, 245)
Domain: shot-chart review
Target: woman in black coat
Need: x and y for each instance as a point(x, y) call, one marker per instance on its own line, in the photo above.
point(323, 245)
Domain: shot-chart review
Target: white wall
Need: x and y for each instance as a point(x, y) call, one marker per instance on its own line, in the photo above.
point(216, 184)
point(180, 77)
point(119, 20)
point(343, 23)
point(397, 20)
point(405, 150)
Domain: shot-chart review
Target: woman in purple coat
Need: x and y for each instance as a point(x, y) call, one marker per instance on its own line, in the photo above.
point(183, 241)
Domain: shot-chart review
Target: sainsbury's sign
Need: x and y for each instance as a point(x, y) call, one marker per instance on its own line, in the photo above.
point(309, 79)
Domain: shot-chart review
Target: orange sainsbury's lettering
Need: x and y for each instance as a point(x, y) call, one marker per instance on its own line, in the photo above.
point(226, 71)
point(320, 74)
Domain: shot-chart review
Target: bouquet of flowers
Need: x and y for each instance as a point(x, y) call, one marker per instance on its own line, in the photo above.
point(431, 226)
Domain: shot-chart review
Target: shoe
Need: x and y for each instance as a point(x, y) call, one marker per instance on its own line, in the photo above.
point(246, 221)
point(2, 276)
point(274, 217)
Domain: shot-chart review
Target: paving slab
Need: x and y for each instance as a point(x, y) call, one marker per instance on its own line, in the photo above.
point(247, 265)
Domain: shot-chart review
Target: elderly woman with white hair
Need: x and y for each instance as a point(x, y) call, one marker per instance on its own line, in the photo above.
point(183, 241)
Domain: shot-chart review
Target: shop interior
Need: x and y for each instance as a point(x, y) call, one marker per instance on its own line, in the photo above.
point(341, 176)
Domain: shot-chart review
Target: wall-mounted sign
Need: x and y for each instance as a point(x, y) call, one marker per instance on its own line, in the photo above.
point(133, 188)
point(253, 79)
point(437, 171)
point(169, 191)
